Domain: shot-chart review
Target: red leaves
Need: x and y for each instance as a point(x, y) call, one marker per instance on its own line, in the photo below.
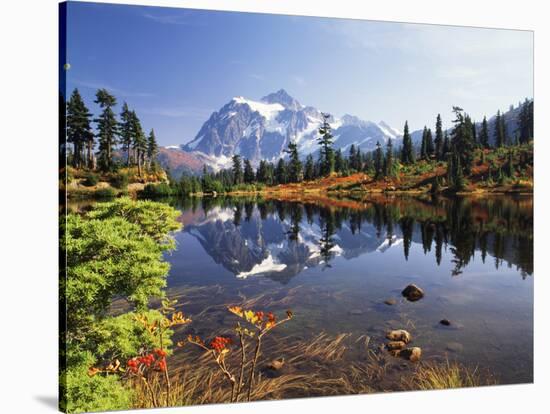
point(219, 343)
point(148, 361)
point(161, 353)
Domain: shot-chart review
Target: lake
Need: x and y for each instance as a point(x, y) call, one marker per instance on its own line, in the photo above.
point(335, 261)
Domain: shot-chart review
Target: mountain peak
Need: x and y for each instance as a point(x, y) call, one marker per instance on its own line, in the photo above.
point(282, 97)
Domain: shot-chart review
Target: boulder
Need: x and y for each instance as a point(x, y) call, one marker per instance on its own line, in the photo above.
point(399, 335)
point(412, 354)
point(445, 322)
point(390, 302)
point(413, 293)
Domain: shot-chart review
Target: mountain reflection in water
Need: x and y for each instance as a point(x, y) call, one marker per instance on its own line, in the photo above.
point(279, 239)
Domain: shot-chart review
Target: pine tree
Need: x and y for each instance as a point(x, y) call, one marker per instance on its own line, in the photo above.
point(237, 170)
point(280, 172)
point(484, 134)
point(339, 162)
point(325, 141)
point(474, 133)
point(462, 145)
point(79, 132)
point(378, 161)
point(499, 131)
point(407, 151)
point(139, 142)
point(295, 173)
point(423, 145)
point(352, 154)
point(439, 139)
point(430, 148)
point(125, 131)
point(248, 174)
point(107, 129)
point(525, 125)
point(152, 148)
point(309, 173)
point(446, 145)
point(388, 162)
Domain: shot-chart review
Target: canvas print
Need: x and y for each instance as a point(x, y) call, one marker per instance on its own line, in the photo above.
point(260, 207)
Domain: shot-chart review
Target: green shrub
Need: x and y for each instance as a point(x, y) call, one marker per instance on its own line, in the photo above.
point(91, 180)
point(157, 190)
point(120, 181)
point(107, 192)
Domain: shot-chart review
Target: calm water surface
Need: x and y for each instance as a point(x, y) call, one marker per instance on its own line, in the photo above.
point(334, 263)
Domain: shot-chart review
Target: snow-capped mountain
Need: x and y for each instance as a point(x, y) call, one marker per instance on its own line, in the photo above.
point(261, 130)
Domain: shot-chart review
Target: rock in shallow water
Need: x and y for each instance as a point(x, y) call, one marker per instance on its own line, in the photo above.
point(390, 302)
point(399, 335)
point(454, 347)
point(413, 293)
point(445, 322)
point(412, 354)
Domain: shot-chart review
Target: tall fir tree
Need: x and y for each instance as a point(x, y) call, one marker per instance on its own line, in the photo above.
point(237, 170)
point(139, 142)
point(295, 169)
point(378, 161)
point(152, 149)
point(525, 125)
point(125, 132)
point(388, 161)
point(430, 148)
point(439, 138)
point(107, 129)
point(79, 132)
point(423, 144)
point(407, 150)
point(248, 174)
point(339, 162)
point(499, 131)
point(325, 141)
point(462, 145)
point(281, 172)
point(309, 171)
point(484, 134)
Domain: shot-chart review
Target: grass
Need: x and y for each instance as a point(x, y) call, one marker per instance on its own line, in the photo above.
point(431, 376)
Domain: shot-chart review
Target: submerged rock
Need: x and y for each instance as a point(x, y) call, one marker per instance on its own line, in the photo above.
point(390, 302)
point(413, 293)
point(454, 347)
point(445, 322)
point(399, 335)
point(276, 364)
point(355, 312)
point(412, 354)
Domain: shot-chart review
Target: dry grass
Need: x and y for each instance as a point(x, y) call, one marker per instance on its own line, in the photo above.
point(431, 376)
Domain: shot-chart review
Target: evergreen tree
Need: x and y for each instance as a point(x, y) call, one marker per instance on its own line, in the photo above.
point(439, 139)
point(263, 173)
point(423, 145)
point(474, 133)
point(325, 141)
point(237, 170)
point(499, 131)
point(248, 175)
point(280, 172)
point(309, 173)
point(378, 161)
point(430, 148)
point(462, 145)
point(446, 145)
point(79, 132)
point(139, 142)
point(339, 166)
point(352, 155)
point(525, 125)
point(125, 131)
point(152, 148)
point(295, 173)
point(484, 134)
point(407, 151)
point(388, 162)
point(107, 129)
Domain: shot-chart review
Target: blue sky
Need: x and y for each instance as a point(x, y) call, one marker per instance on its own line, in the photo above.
point(176, 66)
